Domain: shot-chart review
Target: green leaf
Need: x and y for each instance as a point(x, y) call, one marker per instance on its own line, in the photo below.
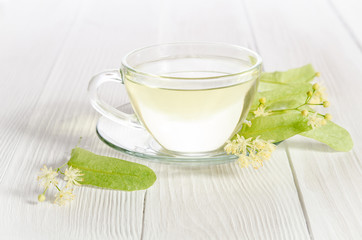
point(287, 90)
point(333, 135)
point(289, 96)
point(297, 75)
point(113, 173)
point(277, 127)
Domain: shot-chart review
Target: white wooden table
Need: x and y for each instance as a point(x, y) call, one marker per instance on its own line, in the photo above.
point(50, 49)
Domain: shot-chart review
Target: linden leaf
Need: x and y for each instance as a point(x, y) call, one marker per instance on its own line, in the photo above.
point(277, 127)
point(333, 135)
point(296, 75)
point(289, 96)
point(287, 90)
point(113, 173)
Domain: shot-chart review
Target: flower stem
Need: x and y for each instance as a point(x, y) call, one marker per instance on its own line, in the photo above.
point(58, 169)
point(320, 114)
point(57, 187)
point(283, 110)
point(45, 189)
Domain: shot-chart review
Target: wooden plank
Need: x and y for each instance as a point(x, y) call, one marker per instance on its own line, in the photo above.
point(49, 115)
point(309, 31)
point(225, 202)
point(220, 202)
point(31, 36)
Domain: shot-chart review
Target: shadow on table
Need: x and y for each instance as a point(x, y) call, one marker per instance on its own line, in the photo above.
point(307, 144)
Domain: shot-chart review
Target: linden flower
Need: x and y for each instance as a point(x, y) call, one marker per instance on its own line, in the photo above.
point(243, 161)
point(230, 147)
point(266, 154)
point(242, 144)
point(237, 146)
point(257, 160)
point(47, 177)
point(314, 121)
point(319, 96)
point(266, 146)
point(72, 176)
point(250, 152)
point(64, 196)
point(261, 111)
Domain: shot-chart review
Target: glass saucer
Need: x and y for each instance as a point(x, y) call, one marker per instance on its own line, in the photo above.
point(138, 142)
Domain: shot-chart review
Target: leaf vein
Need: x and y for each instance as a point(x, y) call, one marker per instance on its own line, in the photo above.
point(104, 172)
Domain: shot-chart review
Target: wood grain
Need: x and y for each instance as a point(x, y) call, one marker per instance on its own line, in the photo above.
point(329, 182)
point(225, 201)
point(61, 113)
point(23, 43)
point(49, 114)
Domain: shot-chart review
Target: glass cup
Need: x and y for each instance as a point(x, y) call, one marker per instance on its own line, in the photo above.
point(191, 97)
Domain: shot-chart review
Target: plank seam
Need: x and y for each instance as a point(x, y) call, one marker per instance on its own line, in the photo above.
point(295, 179)
point(143, 214)
point(299, 192)
point(345, 24)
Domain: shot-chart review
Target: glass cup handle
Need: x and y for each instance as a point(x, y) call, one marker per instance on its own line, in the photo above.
point(114, 76)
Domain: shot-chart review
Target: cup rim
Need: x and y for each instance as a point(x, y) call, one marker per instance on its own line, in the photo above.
point(255, 65)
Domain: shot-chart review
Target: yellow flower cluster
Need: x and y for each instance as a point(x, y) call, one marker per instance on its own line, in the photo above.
point(250, 152)
point(72, 176)
point(260, 111)
point(63, 196)
point(316, 97)
point(47, 178)
point(314, 121)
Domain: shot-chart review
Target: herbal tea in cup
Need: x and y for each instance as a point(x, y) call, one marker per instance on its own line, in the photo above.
point(191, 97)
